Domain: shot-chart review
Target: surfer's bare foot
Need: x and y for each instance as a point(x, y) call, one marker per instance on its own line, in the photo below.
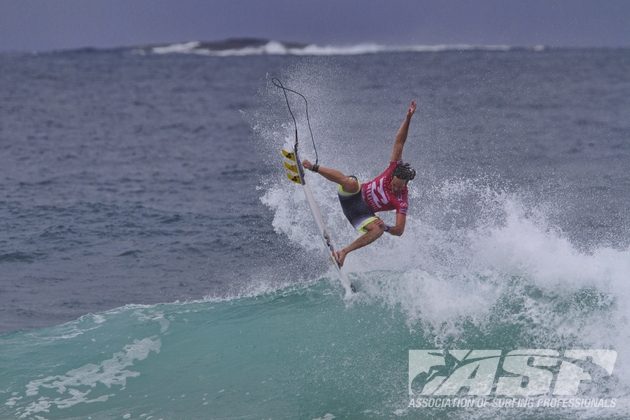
point(307, 164)
point(340, 256)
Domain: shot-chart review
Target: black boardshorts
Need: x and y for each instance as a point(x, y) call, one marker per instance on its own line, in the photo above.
point(356, 209)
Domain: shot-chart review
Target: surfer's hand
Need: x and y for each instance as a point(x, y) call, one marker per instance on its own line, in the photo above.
point(412, 109)
point(308, 165)
point(340, 256)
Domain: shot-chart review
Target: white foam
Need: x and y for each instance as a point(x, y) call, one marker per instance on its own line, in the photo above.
point(456, 47)
point(340, 50)
point(291, 216)
point(271, 48)
point(186, 47)
point(531, 248)
point(71, 386)
point(153, 316)
point(278, 48)
point(327, 416)
point(468, 247)
point(13, 400)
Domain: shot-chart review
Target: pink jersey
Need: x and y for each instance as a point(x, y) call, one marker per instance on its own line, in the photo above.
point(379, 196)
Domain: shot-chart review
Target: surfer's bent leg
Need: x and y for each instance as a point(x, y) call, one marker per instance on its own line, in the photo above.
point(348, 183)
point(374, 231)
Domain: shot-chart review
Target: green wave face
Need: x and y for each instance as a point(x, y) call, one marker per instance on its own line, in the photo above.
point(294, 353)
point(290, 354)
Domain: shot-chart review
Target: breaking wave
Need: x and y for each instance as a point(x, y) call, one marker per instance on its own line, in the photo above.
point(247, 47)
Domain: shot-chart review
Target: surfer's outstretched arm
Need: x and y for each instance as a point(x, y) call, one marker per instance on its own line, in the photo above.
point(401, 136)
point(348, 183)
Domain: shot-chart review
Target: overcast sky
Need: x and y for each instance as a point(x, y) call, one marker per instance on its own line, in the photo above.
point(37, 25)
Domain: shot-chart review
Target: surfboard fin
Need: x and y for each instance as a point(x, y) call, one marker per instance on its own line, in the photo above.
point(291, 167)
point(288, 155)
point(294, 178)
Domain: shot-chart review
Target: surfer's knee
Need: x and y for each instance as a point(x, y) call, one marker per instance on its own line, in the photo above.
point(350, 184)
point(375, 228)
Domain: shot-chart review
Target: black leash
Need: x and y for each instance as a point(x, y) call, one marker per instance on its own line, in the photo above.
point(277, 83)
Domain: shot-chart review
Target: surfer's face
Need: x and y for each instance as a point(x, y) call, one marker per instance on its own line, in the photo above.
point(398, 184)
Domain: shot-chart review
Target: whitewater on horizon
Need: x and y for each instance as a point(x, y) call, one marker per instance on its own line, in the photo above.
point(248, 47)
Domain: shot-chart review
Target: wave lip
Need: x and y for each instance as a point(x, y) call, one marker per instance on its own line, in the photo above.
point(258, 46)
point(228, 47)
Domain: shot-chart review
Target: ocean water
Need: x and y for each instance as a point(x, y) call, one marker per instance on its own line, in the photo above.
point(155, 263)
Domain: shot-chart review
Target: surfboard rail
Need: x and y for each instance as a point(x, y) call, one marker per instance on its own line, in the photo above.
point(295, 173)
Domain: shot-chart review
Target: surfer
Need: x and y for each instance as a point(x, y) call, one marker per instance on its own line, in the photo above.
point(388, 191)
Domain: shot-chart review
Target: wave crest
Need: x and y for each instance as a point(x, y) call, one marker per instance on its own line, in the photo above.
point(249, 47)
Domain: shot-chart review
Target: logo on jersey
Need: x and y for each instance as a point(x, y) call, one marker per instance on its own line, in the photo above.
point(377, 193)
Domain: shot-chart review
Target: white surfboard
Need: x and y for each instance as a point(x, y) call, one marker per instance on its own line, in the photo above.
point(295, 172)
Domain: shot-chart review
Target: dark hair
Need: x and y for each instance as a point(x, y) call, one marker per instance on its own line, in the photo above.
point(404, 171)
